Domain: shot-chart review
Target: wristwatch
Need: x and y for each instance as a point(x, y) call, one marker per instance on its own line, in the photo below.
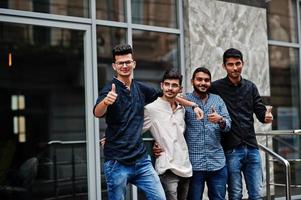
point(221, 121)
point(194, 106)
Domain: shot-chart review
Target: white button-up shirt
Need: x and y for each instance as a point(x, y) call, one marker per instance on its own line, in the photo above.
point(168, 127)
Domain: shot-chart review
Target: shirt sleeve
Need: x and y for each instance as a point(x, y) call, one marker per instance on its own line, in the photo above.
point(150, 94)
point(103, 93)
point(147, 120)
point(259, 107)
point(225, 114)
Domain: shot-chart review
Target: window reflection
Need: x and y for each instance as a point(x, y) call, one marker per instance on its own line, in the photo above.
point(285, 87)
point(78, 8)
point(113, 10)
point(154, 53)
point(282, 21)
point(155, 12)
point(42, 99)
point(107, 38)
point(285, 97)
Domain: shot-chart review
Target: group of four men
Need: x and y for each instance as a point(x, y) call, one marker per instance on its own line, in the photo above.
point(218, 144)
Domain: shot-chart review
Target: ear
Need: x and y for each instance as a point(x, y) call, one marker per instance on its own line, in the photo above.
point(113, 65)
point(224, 66)
point(161, 84)
point(134, 64)
point(180, 90)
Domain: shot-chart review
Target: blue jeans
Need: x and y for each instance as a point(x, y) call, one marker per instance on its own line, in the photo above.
point(216, 184)
point(247, 161)
point(141, 174)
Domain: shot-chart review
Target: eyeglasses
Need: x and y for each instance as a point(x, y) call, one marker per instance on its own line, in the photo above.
point(127, 63)
point(171, 85)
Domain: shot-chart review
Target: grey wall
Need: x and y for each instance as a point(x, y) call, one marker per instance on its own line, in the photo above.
point(212, 26)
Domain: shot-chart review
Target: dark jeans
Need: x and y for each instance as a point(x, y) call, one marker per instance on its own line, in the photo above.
point(216, 183)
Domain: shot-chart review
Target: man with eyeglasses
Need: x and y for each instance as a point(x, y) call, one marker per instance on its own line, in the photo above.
point(122, 102)
point(240, 145)
point(165, 120)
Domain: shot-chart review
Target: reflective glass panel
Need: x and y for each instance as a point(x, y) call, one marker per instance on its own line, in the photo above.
point(42, 113)
point(107, 38)
point(78, 8)
point(155, 12)
point(154, 53)
point(113, 10)
point(285, 99)
point(282, 20)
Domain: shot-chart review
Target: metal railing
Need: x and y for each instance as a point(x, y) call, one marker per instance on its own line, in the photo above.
point(278, 158)
point(55, 165)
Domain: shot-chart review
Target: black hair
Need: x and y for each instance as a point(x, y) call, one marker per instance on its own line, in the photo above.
point(172, 74)
point(232, 53)
point(201, 69)
point(121, 49)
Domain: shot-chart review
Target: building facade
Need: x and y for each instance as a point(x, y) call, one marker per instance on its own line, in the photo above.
point(56, 55)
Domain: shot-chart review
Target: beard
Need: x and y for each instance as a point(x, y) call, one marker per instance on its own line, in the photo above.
point(199, 92)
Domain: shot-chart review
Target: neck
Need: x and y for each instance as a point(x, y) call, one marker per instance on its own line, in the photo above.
point(125, 80)
point(203, 95)
point(172, 102)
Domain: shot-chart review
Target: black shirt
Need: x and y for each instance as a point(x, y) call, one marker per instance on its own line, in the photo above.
point(242, 102)
point(125, 119)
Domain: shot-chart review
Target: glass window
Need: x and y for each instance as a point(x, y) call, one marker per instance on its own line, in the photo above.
point(113, 10)
point(155, 12)
point(285, 95)
point(78, 8)
point(282, 20)
point(107, 38)
point(154, 53)
point(42, 97)
point(285, 98)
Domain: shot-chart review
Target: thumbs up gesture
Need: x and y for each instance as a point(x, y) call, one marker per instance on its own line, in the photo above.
point(214, 117)
point(111, 96)
point(268, 118)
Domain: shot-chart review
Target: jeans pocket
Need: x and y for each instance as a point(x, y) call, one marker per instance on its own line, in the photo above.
point(109, 167)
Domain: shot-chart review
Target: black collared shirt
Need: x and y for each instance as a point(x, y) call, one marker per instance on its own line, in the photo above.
point(242, 101)
point(124, 120)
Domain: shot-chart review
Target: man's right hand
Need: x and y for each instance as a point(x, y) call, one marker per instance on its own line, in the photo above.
point(111, 96)
point(157, 150)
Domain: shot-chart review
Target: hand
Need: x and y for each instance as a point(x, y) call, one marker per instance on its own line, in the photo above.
point(102, 142)
point(213, 116)
point(157, 150)
point(268, 118)
point(111, 96)
point(199, 113)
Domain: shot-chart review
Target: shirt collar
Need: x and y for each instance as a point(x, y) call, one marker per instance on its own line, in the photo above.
point(197, 97)
point(242, 81)
point(167, 104)
point(120, 83)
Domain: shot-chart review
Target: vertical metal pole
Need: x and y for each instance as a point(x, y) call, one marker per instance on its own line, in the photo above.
point(267, 171)
point(73, 172)
point(55, 174)
point(288, 180)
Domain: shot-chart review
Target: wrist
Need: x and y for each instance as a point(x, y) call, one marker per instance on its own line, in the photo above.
point(221, 120)
point(194, 106)
point(105, 103)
